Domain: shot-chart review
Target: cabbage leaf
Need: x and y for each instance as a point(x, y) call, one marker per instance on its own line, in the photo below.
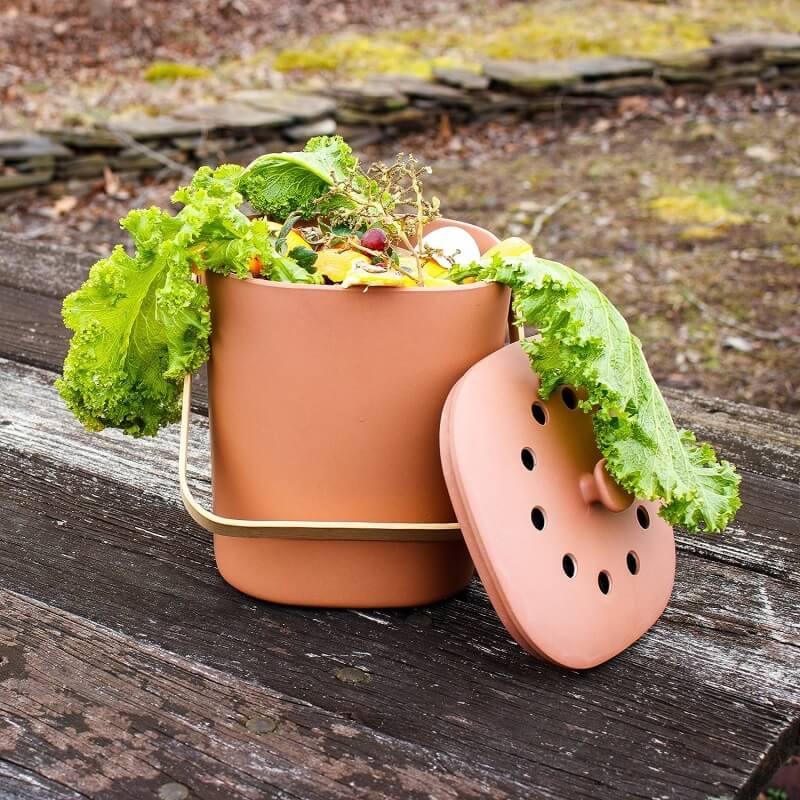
point(278, 184)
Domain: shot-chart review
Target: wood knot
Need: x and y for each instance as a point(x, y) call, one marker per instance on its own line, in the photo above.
point(261, 725)
point(173, 791)
point(353, 675)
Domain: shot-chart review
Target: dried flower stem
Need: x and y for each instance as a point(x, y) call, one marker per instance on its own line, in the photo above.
point(386, 196)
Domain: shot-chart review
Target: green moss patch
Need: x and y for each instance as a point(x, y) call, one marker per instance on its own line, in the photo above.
point(360, 56)
point(549, 29)
point(703, 205)
point(173, 71)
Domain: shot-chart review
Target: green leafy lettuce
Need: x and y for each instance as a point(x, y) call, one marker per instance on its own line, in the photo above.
point(141, 323)
point(278, 184)
point(584, 341)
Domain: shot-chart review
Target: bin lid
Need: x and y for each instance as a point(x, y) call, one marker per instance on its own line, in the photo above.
point(576, 568)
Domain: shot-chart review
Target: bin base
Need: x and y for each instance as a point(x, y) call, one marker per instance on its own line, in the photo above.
point(343, 574)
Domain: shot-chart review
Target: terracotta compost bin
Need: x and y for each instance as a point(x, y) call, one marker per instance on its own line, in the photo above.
point(325, 405)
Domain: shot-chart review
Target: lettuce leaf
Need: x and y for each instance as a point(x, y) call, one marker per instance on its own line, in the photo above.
point(139, 326)
point(585, 342)
point(141, 323)
point(278, 184)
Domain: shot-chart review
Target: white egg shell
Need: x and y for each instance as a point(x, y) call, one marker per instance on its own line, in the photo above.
point(453, 242)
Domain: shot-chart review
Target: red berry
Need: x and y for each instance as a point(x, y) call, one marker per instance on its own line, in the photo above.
point(375, 239)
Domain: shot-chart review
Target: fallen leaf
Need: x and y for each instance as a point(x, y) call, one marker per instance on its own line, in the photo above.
point(64, 205)
point(601, 126)
point(635, 105)
point(703, 232)
point(702, 130)
point(112, 184)
point(445, 129)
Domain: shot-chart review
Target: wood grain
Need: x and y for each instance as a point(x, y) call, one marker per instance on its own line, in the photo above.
point(86, 708)
point(19, 783)
point(708, 696)
point(31, 332)
point(764, 537)
point(41, 268)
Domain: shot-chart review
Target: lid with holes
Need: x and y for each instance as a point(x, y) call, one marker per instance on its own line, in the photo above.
point(576, 568)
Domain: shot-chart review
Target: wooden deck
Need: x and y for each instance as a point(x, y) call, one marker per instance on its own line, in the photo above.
point(129, 669)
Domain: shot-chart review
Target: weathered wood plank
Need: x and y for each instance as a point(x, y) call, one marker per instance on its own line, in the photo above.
point(54, 271)
point(459, 685)
point(765, 446)
point(33, 418)
point(18, 783)
point(764, 537)
point(31, 332)
point(112, 717)
point(765, 442)
point(42, 268)
point(758, 439)
point(726, 650)
point(704, 697)
point(762, 440)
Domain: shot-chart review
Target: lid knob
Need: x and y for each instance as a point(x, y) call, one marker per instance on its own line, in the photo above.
point(599, 487)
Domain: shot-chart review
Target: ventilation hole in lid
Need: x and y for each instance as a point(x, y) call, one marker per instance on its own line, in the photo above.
point(569, 397)
point(632, 561)
point(643, 517)
point(528, 458)
point(538, 518)
point(569, 565)
point(539, 414)
point(604, 582)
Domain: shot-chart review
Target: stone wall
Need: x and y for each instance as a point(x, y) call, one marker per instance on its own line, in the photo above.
point(254, 121)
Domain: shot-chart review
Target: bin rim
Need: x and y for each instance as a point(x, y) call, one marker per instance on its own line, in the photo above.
point(362, 288)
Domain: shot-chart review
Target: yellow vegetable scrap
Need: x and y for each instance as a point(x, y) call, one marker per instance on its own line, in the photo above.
point(365, 274)
point(695, 209)
point(433, 268)
point(436, 283)
point(509, 248)
point(337, 264)
point(433, 274)
point(294, 239)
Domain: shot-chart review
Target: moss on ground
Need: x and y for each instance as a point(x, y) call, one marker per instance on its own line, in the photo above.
point(173, 71)
point(361, 56)
point(542, 30)
point(704, 211)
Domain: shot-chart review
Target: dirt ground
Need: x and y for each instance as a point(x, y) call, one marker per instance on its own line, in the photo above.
point(689, 222)
point(686, 215)
point(85, 39)
point(77, 61)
